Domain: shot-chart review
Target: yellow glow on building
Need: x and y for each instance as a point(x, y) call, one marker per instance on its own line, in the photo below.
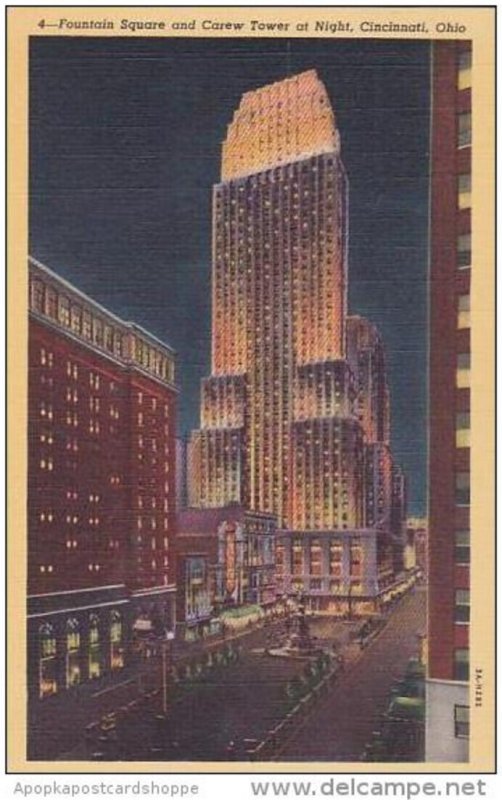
point(283, 122)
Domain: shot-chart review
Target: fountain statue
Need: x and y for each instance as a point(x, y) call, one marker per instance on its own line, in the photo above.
point(297, 641)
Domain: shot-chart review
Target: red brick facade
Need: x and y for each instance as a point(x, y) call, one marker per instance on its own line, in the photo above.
point(101, 464)
point(449, 362)
point(101, 487)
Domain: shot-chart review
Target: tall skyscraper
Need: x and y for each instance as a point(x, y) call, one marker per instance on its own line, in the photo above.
point(279, 290)
point(288, 408)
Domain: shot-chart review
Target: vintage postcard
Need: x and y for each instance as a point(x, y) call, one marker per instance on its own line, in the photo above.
point(251, 389)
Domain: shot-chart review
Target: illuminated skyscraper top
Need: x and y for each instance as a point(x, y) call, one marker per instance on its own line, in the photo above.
point(285, 121)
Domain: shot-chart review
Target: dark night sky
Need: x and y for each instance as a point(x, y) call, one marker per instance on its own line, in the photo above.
point(125, 139)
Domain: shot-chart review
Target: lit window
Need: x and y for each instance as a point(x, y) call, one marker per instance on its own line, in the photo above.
point(464, 76)
point(76, 318)
point(116, 648)
point(461, 722)
point(47, 661)
point(464, 129)
point(94, 648)
point(38, 291)
point(463, 250)
point(51, 303)
point(464, 190)
point(98, 332)
point(64, 310)
point(463, 429)
point(463, 546)
point(461, 664)
point(87, 325)
point(464, 311)
point(462, 605)
point(109, 338)
point(463, 377)
point(72, 653)
point(462, 488)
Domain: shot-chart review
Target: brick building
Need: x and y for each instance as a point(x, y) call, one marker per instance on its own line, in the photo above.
point(101, 491)
point(449, 460)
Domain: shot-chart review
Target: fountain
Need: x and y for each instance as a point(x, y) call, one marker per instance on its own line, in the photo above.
point(297, 641)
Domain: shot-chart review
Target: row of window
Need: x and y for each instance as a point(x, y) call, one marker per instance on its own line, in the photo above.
point(93, 328)
point(72, 650)
point(335, 586)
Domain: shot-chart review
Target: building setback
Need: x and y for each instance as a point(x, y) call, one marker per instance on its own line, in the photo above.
point(101, 490)
point(449, 402)
point(297, 389)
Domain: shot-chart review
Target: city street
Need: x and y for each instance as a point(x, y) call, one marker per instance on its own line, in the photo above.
point(237, 702)
point(243, 701)
point(229, 711)
point(339, 729)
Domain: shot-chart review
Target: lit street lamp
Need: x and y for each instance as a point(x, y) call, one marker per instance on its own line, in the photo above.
point(166, 645)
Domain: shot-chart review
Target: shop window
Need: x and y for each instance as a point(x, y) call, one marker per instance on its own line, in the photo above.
point(47, 661)
point(94, 648)
point(73, 673)
point(116, 644)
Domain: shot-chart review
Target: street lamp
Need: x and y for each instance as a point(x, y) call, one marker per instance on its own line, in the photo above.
point(165, 644)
